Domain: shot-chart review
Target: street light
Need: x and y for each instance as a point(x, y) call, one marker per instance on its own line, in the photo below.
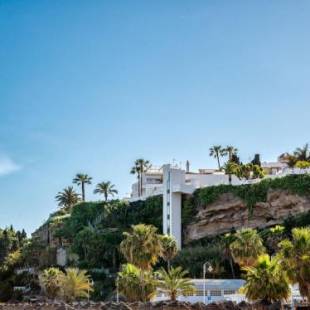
point(204, 278)
point(117, 292)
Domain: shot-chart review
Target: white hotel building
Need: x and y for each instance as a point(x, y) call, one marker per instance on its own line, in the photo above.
point(172, 181)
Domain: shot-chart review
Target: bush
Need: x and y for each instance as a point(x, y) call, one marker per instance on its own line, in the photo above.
point(302, 164)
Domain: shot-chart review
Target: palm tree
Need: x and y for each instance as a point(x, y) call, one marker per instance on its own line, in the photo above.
point(246, 247)
point(266, 281)
point(169, 248)
point(295, 259)
point(217, 151)
point(140, 167)
point(136, 284)
point(82, 179)
point(230, 169)
point(230, 150)
point(75, 284)
point(105, 188)
point(141, 246)
point(174, 282)
point(289, 159)
point(227, 240)
point(50, 282)
point(302, 153)
point(67, 198)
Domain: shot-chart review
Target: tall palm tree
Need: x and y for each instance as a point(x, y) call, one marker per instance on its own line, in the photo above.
point(303, 153)
point(174, 282)
point(266, 281)
point(230, 150)
point(246, 247)
point(140, 166)
point(67, 198)
point(141, 246)
point(217, 151)
point(82, 179)
point(227, 240)
point(106, 189)
point(295, 259)
point(169, 248)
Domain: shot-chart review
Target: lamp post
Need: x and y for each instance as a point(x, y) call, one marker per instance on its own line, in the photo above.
point(117, 292)
point(204, 270)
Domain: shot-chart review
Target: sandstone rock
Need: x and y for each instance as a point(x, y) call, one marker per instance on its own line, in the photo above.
point(230, 212)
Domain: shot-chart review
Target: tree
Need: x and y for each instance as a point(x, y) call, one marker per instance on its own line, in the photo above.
point(174, 282)
point(227, 240)
point(256, 160)
point(106, 189)
point(249, 171)
point(266, 281)
point(231, 168)
point(141, 246)
point(67, 198)
point(295, 259)
point(217, 151)
point(75, 284)
point(82, 179)
point(140, 167)
point(246, 247)
point(169, 248)
point(231, 151)
point(136, 284)
point(50, 282)
point(303, 153)
point(272, 237)
point(289, 159)
point(257, 172)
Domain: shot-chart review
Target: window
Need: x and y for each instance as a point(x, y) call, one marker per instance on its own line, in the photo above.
point(216, 293)
point(229, 292)
point(200, 293)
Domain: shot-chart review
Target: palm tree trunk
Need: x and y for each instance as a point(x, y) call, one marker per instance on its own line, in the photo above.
point(229, 178)
point(232, 268)
point(106, 196)
point(173, 296)
point(218, 161)
point(139, 192)
point(83, 191)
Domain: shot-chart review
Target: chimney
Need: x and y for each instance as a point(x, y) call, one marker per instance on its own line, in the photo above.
point(187, 166)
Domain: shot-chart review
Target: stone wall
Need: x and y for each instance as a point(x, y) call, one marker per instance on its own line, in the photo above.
point(137, 306)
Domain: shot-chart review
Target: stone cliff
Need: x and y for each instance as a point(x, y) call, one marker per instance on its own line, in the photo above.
point(229, 212)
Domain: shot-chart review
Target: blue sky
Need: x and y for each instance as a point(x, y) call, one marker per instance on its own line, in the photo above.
point(92, 85)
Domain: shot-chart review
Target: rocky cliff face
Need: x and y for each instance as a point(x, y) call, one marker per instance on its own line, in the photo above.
point(229, 212)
